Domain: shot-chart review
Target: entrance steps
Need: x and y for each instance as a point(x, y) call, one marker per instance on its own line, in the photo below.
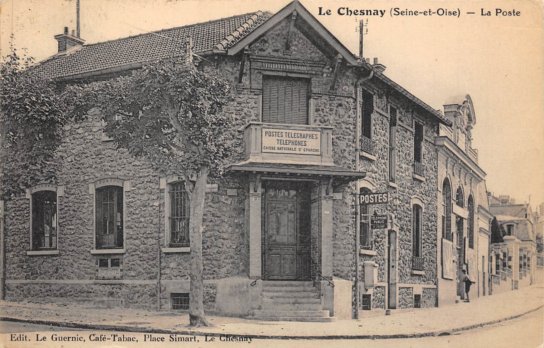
point(291, 301)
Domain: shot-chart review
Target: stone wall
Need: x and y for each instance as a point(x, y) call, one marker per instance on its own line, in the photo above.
point(406, 298)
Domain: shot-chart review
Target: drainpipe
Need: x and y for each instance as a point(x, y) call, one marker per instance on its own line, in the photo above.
point(159, 251)
point(358, 109)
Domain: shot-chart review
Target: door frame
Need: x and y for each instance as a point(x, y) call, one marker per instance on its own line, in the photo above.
point(264, 239)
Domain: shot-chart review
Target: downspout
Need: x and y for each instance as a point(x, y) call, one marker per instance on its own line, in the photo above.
point(159, 251)
point(358, 95)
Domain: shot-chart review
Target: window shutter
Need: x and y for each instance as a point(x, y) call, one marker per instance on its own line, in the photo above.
point(285, 100)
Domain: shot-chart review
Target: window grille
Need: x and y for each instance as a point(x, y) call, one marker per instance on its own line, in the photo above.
point(180, 300)
point(179, 215)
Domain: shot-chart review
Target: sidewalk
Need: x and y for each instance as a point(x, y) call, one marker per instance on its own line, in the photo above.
point(400, 324)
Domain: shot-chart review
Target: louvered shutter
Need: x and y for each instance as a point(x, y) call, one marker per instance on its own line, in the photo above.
point(285, 100)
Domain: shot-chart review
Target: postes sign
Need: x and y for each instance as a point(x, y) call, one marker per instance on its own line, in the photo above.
point(374, 198)
point(301, 142)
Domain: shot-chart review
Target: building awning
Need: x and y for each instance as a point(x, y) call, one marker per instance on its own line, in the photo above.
point(338, 172)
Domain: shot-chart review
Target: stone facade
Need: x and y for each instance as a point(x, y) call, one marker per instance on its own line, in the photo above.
point(469, 219)
point(151, 271)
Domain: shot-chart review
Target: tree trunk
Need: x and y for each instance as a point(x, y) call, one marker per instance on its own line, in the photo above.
point(196, 297)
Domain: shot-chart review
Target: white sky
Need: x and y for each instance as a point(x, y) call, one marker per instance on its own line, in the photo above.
point(497, 60)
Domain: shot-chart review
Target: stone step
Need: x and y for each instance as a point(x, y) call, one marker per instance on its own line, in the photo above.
point(292, 306)
point(290, 300)
point(290, 294)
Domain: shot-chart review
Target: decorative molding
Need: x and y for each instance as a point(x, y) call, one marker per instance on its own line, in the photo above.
point(42, 252)
point(180, 250)
point(107, 251)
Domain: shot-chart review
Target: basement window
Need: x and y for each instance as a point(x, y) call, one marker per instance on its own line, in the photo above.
point(417, 301)
point(366, 302)
point(180, 301)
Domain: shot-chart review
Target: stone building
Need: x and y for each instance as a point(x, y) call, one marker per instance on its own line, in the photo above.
point(284, 235)
point(463, 211)
point(514, 257)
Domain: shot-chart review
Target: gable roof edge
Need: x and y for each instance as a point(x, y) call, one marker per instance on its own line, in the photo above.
point(308, 17)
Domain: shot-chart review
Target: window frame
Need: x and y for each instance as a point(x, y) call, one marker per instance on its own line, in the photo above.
point(417, 231)
point(447, 210)
point(288, 77)
point(59, 192)
point(115, 190)
point(126, 186)
point(418, 141)
point(367, 109)
point(171, 207)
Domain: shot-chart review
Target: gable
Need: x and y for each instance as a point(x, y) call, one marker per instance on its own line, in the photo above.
point(306, 23)
point(286, 39)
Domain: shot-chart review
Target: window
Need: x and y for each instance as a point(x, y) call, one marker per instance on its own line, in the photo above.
point(459, 197)
point(509, 230)
point(418, 142)
point(470, 223)
point(180, 300)
point(392, 143)
point(367, 108)
point(366, 302)
point(109, 217)
point(285, 99)
point(179, 215)
point(366, 231)
point(446, 210)
point(44, 220)
point(417, 301)
point(416, 230)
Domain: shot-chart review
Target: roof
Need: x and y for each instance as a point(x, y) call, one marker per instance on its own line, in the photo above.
point(166, 43)
point(225, 35)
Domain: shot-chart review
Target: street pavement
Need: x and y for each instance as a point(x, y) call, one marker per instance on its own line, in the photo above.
point(446, 320)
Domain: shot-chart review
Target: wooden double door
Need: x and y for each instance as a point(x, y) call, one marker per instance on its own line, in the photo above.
point(286, 230)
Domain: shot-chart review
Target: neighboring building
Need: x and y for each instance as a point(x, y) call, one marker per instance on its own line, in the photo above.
point(283, 233)
point(463, 235)
point(515, 257)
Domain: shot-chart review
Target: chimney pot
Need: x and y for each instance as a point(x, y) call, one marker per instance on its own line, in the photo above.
point(375, 60)
point(66, 30)
point(67, 41)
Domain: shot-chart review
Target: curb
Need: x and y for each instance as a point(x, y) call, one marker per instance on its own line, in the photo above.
point(101, 327)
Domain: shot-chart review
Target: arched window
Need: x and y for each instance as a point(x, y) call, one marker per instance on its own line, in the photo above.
point(416, 230)
point(470, 222)
point(447, 208)
point(366, 231)
point(459, 197)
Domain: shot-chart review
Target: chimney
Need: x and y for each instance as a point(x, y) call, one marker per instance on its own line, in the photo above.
point(67, 41)
point(380, 68)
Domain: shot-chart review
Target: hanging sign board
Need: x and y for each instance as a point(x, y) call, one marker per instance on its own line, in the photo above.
point(374, 198)
point(378, 222)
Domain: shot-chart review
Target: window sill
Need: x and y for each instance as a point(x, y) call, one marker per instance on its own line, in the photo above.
point(181, 250)
point(393, 184)
point(368, 252)
point(419, 273)
point(418, 177)
point(42, 252)
point(367, 155)
point(107, 251)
